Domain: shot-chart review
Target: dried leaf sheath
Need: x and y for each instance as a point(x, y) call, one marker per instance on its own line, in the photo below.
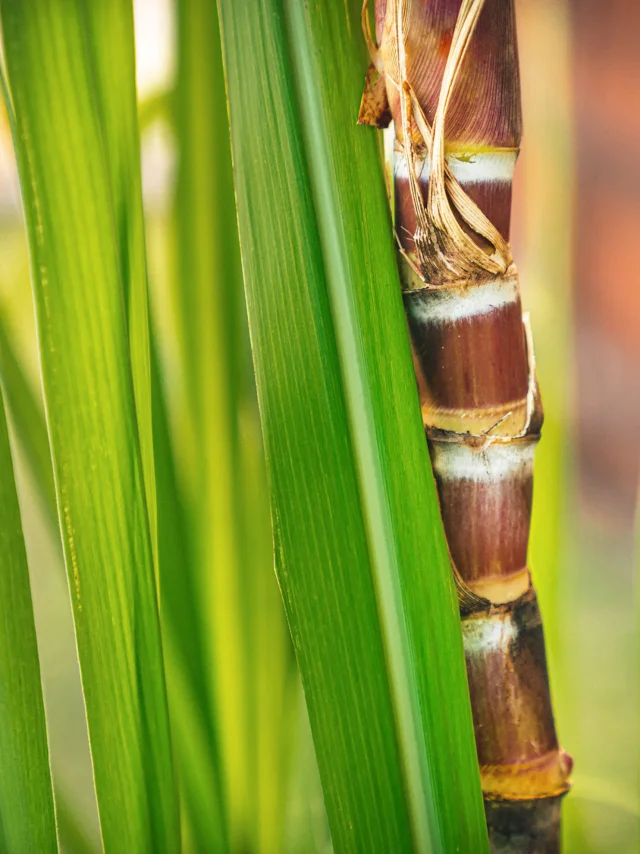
point(450, 70)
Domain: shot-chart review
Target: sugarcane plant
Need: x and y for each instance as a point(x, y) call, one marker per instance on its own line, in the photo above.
point(157, 493)
point(446, 74)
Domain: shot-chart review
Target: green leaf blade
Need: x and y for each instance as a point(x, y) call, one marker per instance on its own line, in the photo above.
point(218, 443)
point(27, 819)
point(92, 421)
point(297, 459)
point(362, 559)
point(407, 546)
point(111, 47)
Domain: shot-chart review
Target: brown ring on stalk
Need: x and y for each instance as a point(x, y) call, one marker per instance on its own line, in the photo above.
point(456, 60)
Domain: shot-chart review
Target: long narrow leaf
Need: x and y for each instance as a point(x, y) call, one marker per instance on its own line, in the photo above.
point(360, 551)
point(249, 648)
point(197, 753)
point(111, 47)
point(27, 821)
point(91, 416)
point(207, 295)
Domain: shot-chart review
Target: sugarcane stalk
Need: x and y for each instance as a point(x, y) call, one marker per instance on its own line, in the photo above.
point(446, 73)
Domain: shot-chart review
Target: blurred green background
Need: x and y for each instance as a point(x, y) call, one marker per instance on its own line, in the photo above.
point(576, 226)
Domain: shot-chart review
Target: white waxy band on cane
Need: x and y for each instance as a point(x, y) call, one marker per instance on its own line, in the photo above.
point(447, 305)
point(468, 168)
point(488, 633)
point(496, 461)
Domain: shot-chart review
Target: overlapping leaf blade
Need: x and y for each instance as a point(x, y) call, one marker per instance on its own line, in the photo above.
point(360, 551)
